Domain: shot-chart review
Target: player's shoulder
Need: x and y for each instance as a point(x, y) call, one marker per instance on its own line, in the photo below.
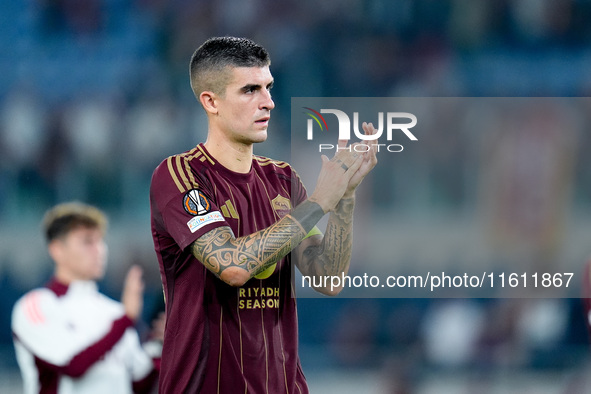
point(178, 162)
point(37, 294)
point(34, 305)
point(277, 168)
point(275, 165)
point(182, 170)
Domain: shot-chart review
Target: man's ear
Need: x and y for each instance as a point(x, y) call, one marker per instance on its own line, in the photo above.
point(209, 102)
point(55, 249)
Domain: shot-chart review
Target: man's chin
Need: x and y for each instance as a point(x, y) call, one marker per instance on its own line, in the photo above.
point(98, 275)
point(253, 137)
point(260, 137)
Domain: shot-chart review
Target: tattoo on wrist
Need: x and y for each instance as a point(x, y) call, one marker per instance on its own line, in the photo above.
point(346, 203)
point(307, 214)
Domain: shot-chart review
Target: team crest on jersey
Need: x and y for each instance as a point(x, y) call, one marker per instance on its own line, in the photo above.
point(281, 205)
point(195, 203)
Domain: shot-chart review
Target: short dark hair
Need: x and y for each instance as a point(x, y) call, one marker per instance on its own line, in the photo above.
point(209, 62)
point(63, 218)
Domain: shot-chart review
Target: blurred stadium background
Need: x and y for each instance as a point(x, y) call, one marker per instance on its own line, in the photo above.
point(94, 94)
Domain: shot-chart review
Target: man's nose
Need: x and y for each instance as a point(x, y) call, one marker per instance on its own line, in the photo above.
point(267, 102)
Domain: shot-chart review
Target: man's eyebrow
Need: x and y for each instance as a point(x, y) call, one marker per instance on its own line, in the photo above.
point(250, 86)
point(255, 86)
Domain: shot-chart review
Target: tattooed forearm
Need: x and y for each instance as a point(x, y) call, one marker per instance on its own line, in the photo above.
point(307, 214)
point(219, 250)
point(333, 255)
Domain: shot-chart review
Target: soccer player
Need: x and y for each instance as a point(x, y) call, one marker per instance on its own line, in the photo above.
point(68, 337)
point(224, 222)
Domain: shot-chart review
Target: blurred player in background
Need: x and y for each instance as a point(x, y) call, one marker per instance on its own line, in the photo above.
point(69, 338)
point(224, 222)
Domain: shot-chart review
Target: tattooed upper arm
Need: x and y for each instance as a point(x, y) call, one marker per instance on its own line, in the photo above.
point(214, 249)
point(236, 260)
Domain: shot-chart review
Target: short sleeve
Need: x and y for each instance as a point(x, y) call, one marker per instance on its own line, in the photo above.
point(185, 211)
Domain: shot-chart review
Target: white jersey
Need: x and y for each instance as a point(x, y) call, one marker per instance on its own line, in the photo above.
point(73, 339)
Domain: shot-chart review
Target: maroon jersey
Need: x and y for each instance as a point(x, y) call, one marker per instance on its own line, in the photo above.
point(219, 338)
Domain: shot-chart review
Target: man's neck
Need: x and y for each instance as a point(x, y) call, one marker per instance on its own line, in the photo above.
point(235, 156)
point(66, 277)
